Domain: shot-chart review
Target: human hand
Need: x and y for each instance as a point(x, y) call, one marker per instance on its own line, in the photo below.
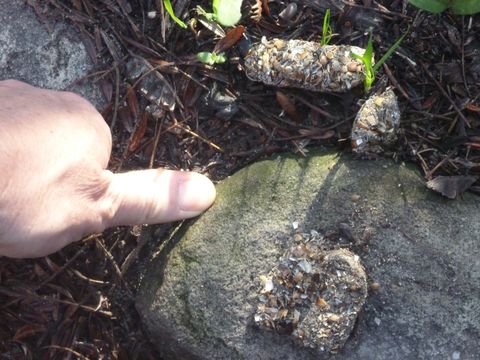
point(54, 187)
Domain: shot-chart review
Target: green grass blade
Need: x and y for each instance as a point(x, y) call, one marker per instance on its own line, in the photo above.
point(368, 52)
point(168, 6)
point(327, 29)
point(390, 51)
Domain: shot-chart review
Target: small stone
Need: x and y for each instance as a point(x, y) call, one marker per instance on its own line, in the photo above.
point(323, 60)
point(378, 101)
point(355, 197)
point(375, 286)
point(377, 321)
point(268, 285)
point(333, 318)
point(298, 277)
point(322, 304)
point(352, 66)
point(305, 266)
point(279, 44)
point(456, 355)
point(297, 237)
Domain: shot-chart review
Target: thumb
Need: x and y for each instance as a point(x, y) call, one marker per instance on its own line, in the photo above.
point(157, 196)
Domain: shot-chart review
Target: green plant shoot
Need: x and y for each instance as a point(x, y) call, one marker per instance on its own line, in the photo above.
point(225, 12)
point(327, 29)
point(168, 7)
point(211, 58)
point(367, 60)
point(459, 7)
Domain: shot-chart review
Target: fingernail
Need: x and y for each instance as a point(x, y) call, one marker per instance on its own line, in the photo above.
point(196, 193)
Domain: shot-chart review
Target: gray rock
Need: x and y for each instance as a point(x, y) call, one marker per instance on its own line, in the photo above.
point(52, 60)
point(199, 297)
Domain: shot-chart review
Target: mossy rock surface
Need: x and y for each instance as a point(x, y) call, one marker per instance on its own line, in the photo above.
point(201, 291)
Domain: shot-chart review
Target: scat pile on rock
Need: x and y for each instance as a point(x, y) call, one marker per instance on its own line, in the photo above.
point(376, 124)
point(314, 294)
point(305, 64)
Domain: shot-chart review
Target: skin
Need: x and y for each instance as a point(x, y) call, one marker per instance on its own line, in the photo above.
point(54, 186)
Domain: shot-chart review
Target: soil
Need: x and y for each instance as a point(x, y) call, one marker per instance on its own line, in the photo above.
point(78, 303)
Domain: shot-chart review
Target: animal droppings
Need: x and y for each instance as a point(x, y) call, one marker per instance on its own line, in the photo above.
point(376, 124)
point(305, 64)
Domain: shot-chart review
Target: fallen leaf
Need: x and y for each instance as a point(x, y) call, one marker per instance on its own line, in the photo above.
point(265, 6)
point(132, 102)
point(287, 105)
point(168, 67)
point(107, 89)
point(317, 134)
point(430, 101)
point(230, 39)
point(138, 134)
point(451, 186)
point(473, 107)
point(28, 331)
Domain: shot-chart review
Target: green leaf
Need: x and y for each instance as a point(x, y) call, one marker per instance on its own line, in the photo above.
point(219, 58)
point(459, 7)
point(227, 12)
point(466, 7)
point(168, 6)
point(202, 12)
point(435, 6)
point(367, 60)
point(205, 57)
point(211, 58)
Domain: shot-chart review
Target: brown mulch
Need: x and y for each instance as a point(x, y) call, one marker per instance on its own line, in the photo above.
point(79, 302)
